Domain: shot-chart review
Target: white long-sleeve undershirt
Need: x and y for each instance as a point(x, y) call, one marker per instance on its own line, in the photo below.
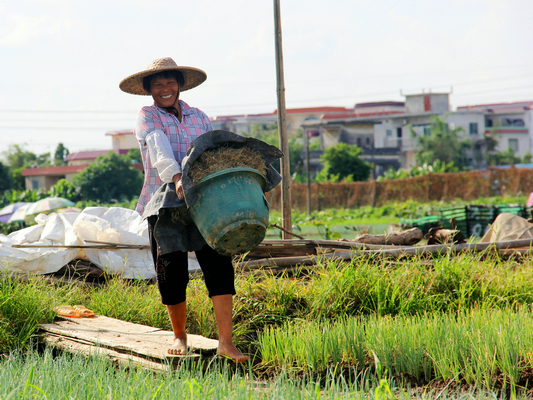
point(161, 155)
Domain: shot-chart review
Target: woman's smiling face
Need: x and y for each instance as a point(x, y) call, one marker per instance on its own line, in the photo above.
point(165, 91)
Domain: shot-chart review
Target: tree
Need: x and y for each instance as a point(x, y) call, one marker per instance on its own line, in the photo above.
point(6, 181)
point(506, 157)
point(443, 144)
point(18, 157)
point(342, 162)
point(61, 154)
point(43, 160)
point(134, 155)
point(110, 178)
point(65, 189)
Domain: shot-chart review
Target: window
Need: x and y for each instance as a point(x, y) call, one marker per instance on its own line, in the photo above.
point(389, 132)
point(399, 132)
point(35, 184)
point(513, 145)
point(472, 128)
point(425, 130)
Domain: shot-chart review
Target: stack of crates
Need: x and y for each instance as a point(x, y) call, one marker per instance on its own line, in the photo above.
point(471, 220)
point(479, 218)
point(515, 209)
point(457, 212)
point(424, 223)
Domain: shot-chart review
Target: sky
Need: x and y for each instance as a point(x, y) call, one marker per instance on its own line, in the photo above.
point(61, 60)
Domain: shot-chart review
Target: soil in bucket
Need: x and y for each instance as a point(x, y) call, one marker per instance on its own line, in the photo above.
point(225, 157)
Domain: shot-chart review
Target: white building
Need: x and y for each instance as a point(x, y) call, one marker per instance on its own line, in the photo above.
point(509, 123)
point(382, 132)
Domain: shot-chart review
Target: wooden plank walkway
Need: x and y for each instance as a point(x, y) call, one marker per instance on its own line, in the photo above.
point(123, 342)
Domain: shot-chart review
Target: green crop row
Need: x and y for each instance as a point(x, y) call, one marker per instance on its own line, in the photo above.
point(486, 348)
point(328, 291)
point(395, 310)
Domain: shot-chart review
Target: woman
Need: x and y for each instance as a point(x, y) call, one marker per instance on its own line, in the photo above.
point(165, 131)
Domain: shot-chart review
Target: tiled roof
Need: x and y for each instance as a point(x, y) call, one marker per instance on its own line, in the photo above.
point(60, 170)
point(517, 105)
point(92, 154)
point(314, 110)
point(352, 114)
point(86, 155)
point(63, 169)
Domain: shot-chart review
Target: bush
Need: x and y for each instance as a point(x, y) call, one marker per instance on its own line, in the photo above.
point(109, 179)
point(342, 161)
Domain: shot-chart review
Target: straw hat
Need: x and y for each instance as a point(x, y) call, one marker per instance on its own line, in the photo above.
point(134, 83)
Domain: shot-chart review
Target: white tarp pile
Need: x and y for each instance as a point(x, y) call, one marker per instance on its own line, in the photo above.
point(507, 227)
point(103, 224)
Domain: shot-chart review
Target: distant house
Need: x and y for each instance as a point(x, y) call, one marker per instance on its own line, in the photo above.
point(383, 129)
point(509, 123)
point(87, 157)
point(46, 177)
point(245, 123)
point(357, 127)
point(123, 139)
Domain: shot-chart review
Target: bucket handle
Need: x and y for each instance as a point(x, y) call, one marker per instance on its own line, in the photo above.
point(266, 201)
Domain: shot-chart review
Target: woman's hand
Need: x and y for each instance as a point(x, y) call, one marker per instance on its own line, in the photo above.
point(179, 187)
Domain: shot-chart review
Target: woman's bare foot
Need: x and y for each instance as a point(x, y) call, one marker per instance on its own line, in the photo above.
point(179, 347)
point(229, 350)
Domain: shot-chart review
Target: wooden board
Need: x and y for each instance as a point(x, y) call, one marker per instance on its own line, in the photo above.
point(126, 338)
point(79, 346)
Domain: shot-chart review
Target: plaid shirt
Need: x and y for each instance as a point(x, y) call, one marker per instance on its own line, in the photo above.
point(180, 135)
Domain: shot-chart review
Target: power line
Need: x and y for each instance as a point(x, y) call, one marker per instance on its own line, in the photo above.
point(107, 128)
point(119, 120)
point(255, 105)
point(495, 91)
point(70, 111)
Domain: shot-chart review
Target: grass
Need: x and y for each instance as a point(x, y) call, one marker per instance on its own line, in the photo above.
point(490, 349)
point(330, 290)
point(33, 375)
point(333, 224)
point(46, 376)
point(349, 223)
point(447, 327)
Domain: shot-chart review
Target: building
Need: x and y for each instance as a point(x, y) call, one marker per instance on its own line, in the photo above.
point(509, 123)
point(246, 123)
point(359, 127)
point(384, 130)
point(123, 140)
point(46, 177)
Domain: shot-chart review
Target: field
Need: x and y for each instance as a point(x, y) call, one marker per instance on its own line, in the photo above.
point(457, 326)
point(349, 223)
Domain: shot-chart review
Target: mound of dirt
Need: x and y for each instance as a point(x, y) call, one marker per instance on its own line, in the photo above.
point(225, 157)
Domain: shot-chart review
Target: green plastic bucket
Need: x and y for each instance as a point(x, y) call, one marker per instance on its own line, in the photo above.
point(231, 212)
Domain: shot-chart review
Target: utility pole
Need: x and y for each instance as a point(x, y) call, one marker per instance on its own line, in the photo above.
point(307, 167)
point(282, 130)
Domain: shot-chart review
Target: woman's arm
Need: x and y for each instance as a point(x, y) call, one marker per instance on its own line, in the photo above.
point(149, 133)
